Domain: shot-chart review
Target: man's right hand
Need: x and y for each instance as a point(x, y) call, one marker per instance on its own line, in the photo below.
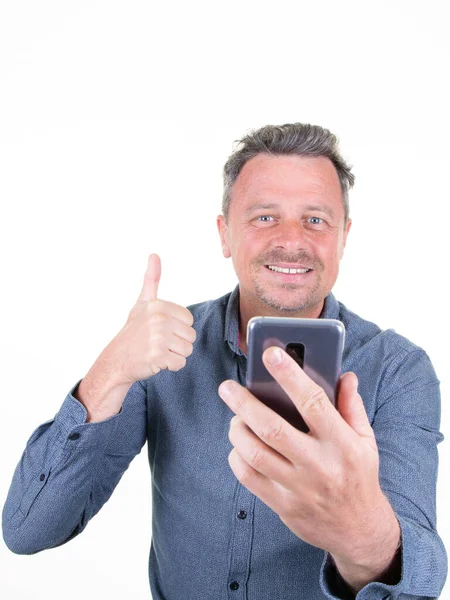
point(157, 335)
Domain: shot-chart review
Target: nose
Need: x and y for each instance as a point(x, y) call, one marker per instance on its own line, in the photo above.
point(291, 235)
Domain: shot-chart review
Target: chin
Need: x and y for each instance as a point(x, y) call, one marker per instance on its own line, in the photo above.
point(288, 300)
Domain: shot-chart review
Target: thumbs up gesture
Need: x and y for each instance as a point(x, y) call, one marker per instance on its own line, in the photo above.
point(157, 335)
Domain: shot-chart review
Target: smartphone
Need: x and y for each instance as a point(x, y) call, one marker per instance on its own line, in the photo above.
point(316, 345)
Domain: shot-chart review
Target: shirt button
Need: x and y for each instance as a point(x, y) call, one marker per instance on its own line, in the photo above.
point(73, 436)
point(42, 477)
point(242, 514)
point(234, 585)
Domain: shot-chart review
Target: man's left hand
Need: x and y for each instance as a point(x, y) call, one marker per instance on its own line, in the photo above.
point(323, 484)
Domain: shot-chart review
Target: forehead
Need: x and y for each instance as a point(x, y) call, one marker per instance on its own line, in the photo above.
point(287, 178)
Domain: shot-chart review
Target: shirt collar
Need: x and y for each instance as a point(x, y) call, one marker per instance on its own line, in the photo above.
point(330, 311)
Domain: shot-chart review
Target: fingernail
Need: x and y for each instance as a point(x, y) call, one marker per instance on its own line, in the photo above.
point(225, 388)
point(274, 356)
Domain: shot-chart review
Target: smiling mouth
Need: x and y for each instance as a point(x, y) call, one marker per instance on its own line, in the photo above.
point(288, 270)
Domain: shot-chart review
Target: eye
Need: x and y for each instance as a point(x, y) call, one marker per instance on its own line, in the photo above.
point(264, 217)
point(315, 220)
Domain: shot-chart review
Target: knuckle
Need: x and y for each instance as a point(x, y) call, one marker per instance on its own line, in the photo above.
point(315, 401)
point(244, 475)
point(158, 317)
point(231, 433)
point(239, 404)
point(340, 480)
point(157, 343)
point(181, 363)
point(153, 355)
point(155, 305)
point(188, 316)
point(272, 431)
point(233, 420)
point(256, 457)
point(290, 372)
point(355, 459)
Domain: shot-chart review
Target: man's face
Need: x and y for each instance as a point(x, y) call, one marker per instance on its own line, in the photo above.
point(285, 212)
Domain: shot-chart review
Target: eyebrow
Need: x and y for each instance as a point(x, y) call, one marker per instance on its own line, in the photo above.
point(270, 205)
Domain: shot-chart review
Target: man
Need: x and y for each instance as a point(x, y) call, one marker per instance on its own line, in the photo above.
point(248, 506)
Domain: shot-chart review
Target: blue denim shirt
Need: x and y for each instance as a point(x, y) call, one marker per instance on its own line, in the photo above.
point(212, 538)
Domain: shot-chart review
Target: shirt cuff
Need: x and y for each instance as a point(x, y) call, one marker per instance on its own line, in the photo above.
point(71, 424)
point(423, 568)
point(335, 588)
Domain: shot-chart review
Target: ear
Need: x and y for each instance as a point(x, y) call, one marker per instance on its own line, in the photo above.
point(344, 238)
point(223, 232)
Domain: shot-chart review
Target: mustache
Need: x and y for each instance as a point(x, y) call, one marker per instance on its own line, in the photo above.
point(311, 262)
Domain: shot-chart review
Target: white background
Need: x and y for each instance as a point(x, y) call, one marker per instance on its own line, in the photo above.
point(115, 121)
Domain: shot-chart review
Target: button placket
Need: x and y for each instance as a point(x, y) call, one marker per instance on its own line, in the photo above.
point(242, 531)
point(241, 543)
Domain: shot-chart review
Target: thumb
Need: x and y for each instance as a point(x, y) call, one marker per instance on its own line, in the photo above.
point(351, 406)
point(151, 279)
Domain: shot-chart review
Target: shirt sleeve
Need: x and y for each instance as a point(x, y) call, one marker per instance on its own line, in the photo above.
point(406, 426)
point(68, 470)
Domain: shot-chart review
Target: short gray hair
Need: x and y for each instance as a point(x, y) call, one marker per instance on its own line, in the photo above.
point(302, 139)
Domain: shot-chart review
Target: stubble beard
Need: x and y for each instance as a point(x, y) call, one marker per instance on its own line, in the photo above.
point(304, 300)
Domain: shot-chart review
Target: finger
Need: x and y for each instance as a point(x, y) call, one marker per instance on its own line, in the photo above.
point(184, 331)
point(151, 279)
point(259, 455)
point(179, 346)
point(309, 398)
point(173, 361)
point(351, 406)
point(166, 326)
point(181, 313)
point(268, 425)
point(267, 491)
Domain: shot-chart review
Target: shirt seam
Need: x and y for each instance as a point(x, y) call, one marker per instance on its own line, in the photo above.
point(396, 361)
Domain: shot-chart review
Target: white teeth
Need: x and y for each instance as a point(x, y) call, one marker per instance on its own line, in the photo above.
point(280, 270)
